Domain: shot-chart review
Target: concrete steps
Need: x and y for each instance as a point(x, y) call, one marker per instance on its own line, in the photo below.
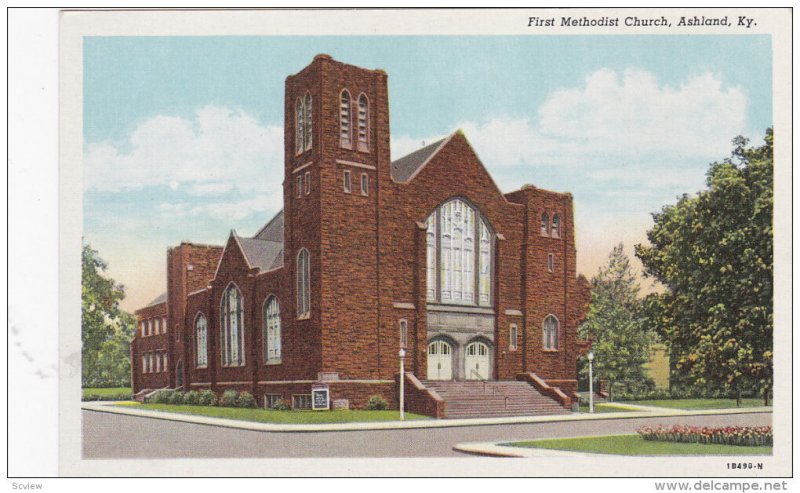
point(479, 399)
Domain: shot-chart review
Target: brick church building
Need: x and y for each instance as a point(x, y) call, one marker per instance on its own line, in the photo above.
point(369, 256)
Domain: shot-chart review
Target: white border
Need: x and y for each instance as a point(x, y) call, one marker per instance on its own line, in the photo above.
point(388, 22)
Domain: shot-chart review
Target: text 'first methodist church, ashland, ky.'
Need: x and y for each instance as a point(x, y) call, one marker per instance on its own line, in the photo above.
point(370, 256)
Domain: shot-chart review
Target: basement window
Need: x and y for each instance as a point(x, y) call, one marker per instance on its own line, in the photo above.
point(270, 400)
point(301, 401)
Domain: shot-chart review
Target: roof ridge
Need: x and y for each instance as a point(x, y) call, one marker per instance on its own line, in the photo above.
point(269, 223)
point(405, 168)
point(441, 143)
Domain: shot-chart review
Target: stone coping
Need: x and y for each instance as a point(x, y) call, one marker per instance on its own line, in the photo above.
point(643, 412)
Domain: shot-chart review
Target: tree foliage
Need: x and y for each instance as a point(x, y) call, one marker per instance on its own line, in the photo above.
point(106, 328)
point(620, 336)
point(713, 253)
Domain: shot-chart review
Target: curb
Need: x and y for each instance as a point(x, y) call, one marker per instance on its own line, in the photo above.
point(495, 449)
point(113, 408)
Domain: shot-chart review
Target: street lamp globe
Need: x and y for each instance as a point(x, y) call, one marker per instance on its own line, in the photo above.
point(590, 356)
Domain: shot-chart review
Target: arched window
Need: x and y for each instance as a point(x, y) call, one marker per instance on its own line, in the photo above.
point(299, 130)
point(303, 284)
point(232, 327)
point(363, 123)
point(201, 341)
point(555, 231)
point(344, 120)
point(550, 333)
point(545, 224)
point(456, 272)
point(272, 331)
point(307, 116)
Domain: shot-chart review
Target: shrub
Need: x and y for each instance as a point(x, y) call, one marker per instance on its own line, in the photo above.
point(245, 399)
point(207, 398)
point(159, 397)
point(662, 394)
point(229, 398)
point(280, 405)
point(376, 403)
point(725, 435)
point(175, 398)
point(118, 396)
point(191, 398)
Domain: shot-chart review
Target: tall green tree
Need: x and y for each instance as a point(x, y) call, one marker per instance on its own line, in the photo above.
point(620, 335)
point(106, 328)
point(713, 253)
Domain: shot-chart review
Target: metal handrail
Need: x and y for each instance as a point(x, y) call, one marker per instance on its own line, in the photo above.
point(472, 371)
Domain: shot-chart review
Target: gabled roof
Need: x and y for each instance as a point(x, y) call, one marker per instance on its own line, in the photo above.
point(162, 298)
point(264, 254)
point(273, 230)
point(407, 166)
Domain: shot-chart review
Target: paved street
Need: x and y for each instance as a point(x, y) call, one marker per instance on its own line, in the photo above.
point(110, 436)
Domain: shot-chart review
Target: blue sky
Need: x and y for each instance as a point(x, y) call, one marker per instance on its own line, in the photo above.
point(183, 135)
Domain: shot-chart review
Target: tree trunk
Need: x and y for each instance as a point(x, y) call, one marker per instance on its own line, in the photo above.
point(738, 398)
point(766, 396)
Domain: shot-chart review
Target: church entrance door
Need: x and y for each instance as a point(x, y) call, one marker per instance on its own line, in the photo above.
point(440, 361)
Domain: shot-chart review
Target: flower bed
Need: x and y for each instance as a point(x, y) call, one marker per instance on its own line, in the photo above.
point(724, 435)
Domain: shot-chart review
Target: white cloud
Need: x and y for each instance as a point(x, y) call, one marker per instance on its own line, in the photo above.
point(629, 117)
point(217, 150)
point(632, 114)
point(226, 211)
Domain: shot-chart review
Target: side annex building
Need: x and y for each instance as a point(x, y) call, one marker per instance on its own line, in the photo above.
point(369, 256)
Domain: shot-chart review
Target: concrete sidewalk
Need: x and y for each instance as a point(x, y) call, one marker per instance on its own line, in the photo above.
point(640, 412)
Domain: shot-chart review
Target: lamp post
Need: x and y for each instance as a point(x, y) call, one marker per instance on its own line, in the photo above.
point(402, 355)
point(590, 357)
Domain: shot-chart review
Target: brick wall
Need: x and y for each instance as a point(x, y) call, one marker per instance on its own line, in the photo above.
point(189, 267)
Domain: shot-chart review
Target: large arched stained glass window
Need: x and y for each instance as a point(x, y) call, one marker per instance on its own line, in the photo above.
point(272, 331)
point(232, 327)
point(201, 341)
point(459, 255)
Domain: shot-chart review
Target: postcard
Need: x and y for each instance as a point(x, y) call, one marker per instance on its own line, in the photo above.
point(446, 242)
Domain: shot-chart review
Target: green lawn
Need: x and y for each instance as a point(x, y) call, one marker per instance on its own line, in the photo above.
point(113, 393)
point(698, 403)
point(605, 408)
point(271, 416)
point(636, 445)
